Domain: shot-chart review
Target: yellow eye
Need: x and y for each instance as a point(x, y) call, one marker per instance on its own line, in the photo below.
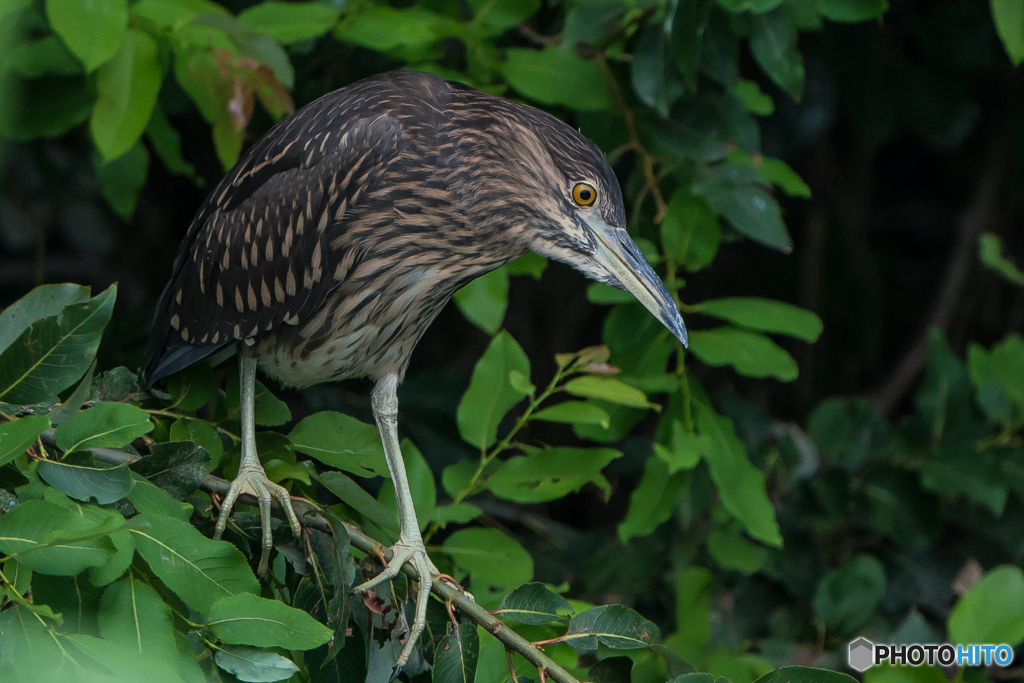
point(584, 194)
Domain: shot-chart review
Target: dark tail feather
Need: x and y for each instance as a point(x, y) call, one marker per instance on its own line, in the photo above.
point(171, 360)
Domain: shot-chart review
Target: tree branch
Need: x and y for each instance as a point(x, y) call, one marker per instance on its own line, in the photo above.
point(978, 213)
point(309, 517)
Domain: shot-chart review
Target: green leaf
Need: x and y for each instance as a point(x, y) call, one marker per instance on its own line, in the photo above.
point(384, 28)
point(341, 442)
point(608, 389)
point(753, 213)
point(992, 611)
point(847, 431)
point(201, 433)
point(846, 598)
point(693, 617)
point(149, 498)
point(126, 90)
point(551, 474)
point(484, 300)
point(773, 43)
point(766, 315)
point(43, 537)
point(17, 436)
point(1009, 19)
point(990, 246)
point(755, 6)
point(530, 264)
point(855, 11)
point(198, 570)
point(654, 72)
point(135, 616)
point(255, 666)
point(688, 24)
point(360, 501)
point(614, 626)
point(503, 14)
point(166, 142)
point(290, 22)
point(41, 57)
point(177, 467)
point(51, 354)
point(42, 302)
point(753, 98)
point(192, 388)
point(247, 619)
point(732, 551)
point(490, 395)
point(82, 482)
point(496, 563)
point(686, 449)
point(556, 76)
point(105, 425)
point(752, 354)
point(592, 21)
point(174, 13)
point(533, 604)
point(1002, 367)
point(270, 411)
point(93, 30)
point(116, 566)
point(456, 656)
point(573, 412)
point(779, 173)
point(805, 674)
point(740, 484)
point(122, 179)
point(652, 501)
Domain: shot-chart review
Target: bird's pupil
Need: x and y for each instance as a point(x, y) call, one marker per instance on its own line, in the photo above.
point(584, 195)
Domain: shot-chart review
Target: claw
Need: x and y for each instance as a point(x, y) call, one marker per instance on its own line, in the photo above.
point(254, 482)
point(414, 553)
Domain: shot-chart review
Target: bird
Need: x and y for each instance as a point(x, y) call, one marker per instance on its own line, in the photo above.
point(338, 237)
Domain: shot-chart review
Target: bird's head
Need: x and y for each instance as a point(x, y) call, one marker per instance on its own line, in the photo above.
point(568, 207)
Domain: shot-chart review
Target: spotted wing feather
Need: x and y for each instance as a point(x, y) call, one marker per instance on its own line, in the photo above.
point(258, 253)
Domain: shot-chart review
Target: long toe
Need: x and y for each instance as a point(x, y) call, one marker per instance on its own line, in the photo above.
point(415, 554)
point(256, 483)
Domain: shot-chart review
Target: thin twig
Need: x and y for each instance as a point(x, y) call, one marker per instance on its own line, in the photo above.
point(977, 215)
point(309, 516)
point(646, 162)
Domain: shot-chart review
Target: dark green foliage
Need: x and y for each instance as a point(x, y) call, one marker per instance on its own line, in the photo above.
point(595, 503)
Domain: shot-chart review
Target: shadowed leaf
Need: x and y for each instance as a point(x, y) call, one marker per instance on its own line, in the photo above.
point(615, 626)
point(534, 604)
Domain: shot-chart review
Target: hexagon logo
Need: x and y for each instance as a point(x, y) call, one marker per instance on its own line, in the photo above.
point(862, 654)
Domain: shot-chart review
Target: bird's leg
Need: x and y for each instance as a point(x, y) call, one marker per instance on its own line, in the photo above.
point(251, 477)
point(409, 547)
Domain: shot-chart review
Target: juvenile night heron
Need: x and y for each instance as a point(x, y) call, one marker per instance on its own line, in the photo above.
point(335, 241)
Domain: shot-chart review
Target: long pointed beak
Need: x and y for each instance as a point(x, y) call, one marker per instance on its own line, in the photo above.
point(619, 256)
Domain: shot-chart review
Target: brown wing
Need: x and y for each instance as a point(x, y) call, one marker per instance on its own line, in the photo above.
point(258, 252)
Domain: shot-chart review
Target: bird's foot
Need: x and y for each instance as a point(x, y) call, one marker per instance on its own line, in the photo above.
point(413, 552)
point(254, 481)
